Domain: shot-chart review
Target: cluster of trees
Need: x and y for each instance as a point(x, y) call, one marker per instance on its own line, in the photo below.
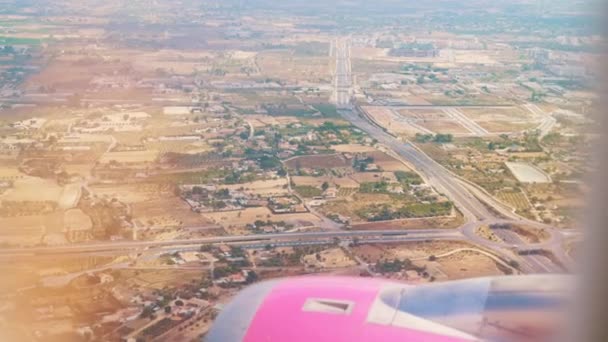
point(437, 138)
point(384, 213)
point(237, 177)
point(268, 162)
point(408, 178)
point(396, 265)
point(374, 187)
point(224, 271)
point(261, 223)
point(362, 163)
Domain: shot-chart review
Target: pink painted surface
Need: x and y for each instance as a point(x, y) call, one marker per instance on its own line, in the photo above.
point(281, 318)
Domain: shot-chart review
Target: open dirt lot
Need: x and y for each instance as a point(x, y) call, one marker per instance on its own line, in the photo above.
point(501, 126)
point(147, 156)
point(496, 120)
point(423, 114)
point(28, 230)
point(33, 189)
point(190, 147)
point(365, 177)
point(63, 74)
point(443, 126)
point(386, 162)
point(239, 218)
point(158, 279)
point(413, 250)
point(284, 65)
point(413, 223)
point(329, 258)
point(258, 120)
point(343, 182)
point(262, 187)
point(385, 117)
point(353, 148)
point(468, 265)
point(171, 209)
point(451, 262)
point(127, 193)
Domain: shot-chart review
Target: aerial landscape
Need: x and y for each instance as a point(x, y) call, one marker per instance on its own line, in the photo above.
point(156, 157)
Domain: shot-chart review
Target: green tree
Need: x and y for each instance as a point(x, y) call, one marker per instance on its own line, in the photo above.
point(325, 186)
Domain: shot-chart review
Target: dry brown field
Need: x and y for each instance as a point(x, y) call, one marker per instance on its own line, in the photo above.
point(318, 161)
point(444, 126)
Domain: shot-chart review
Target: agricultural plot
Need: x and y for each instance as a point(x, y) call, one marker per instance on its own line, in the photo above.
point(515, 199)
point(308, 191)
point(353, 207)
point(29, 230)
point(126, 157)
point(346, 192)
point(188, 147)
point(318, 181)
point(126, 193)
point(33, 189)
point(159, 279)
point(168, 210)
point(318, 162)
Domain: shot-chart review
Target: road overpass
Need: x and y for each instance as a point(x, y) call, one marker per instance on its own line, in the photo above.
point(122, 246)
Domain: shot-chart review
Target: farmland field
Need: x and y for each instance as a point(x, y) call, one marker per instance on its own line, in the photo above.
point(346, 192)
point(318, 161)
point(308, 191)
point(515, 199)
point(129, 156)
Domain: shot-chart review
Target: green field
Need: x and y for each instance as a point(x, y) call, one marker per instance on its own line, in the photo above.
point(308, 191)
point(327, 109)
point(345, 192)
point(516, 199)
point(19, 41)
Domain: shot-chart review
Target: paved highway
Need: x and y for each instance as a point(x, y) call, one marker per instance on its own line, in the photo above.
point(532, 263)
point(135, 245)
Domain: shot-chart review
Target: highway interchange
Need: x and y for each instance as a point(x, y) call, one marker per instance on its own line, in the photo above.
point(472, 201)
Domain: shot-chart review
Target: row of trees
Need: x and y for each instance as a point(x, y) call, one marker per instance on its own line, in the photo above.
point(437, 138)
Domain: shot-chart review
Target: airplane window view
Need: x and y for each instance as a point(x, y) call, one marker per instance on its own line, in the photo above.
point(295, 170)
